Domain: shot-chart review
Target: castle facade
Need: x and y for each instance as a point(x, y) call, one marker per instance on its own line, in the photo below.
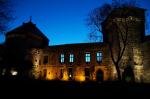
point(26, 46)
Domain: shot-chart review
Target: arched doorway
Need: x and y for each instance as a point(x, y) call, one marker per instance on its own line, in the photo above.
point(99, 75)
point(128, 74)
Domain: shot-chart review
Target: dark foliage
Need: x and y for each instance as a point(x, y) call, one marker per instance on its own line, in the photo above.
point(5, 14)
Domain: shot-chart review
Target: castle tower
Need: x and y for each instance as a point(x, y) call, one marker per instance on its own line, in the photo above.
point(19, 43)
point(124, 30)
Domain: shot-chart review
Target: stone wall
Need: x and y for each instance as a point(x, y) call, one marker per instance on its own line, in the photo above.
point(54, 70)
point(146, 61)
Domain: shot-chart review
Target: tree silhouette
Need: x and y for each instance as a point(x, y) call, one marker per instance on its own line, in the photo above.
point(98, 15)
point(95, 18)
point(5, 14)
point(118, 40)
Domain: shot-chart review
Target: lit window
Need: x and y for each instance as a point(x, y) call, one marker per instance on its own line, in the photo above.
point(87, 57)
point(71, 58)
point(62, 58)
point(99, 56)
point(45, 60)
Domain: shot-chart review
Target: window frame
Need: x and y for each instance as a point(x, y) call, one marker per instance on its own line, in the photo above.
point(71, 58)
point(99, 56)
point(87, 57)
point(44, 60)
point(62, 58)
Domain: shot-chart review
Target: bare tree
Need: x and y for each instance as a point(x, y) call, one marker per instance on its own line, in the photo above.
point(95, 18)
point(5, 15)
point(98, 15)
point(118, 39)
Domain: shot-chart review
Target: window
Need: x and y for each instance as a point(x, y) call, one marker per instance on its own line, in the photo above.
point(99, 56)
point(45, 60)
point(87, 57)
point(39, 62)
point(71, 58)
point(62, 58)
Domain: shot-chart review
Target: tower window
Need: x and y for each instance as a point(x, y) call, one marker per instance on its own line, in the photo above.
point(71, 58)
point(87, 57)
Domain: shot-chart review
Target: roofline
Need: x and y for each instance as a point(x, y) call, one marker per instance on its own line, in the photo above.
point(76, 44)
point(7, 33)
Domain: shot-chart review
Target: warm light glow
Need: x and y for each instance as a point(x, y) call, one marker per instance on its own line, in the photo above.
point(14, 73)
point(36, 56)
point(138, 72)
point(81, 78)
point(70, 75)
point(65, 76)
point(50, 76)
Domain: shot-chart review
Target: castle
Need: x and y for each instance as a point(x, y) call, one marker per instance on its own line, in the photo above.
point(27, 45)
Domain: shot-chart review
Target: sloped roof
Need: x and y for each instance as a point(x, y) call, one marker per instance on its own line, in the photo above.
point(28, 27)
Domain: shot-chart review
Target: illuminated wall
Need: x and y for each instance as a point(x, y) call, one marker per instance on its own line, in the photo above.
point(136, 54)
point(54, 73)
point(132, 23)
point(53, 70)
point(146, 61)
point(36, 56)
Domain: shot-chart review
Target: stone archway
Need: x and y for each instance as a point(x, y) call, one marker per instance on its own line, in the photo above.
point(99, 75)
point(128, 74)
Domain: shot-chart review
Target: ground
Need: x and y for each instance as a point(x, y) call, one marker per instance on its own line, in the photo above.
point(60, 89)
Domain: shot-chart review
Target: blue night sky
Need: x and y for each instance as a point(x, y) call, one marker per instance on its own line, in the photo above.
point(62, 21)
